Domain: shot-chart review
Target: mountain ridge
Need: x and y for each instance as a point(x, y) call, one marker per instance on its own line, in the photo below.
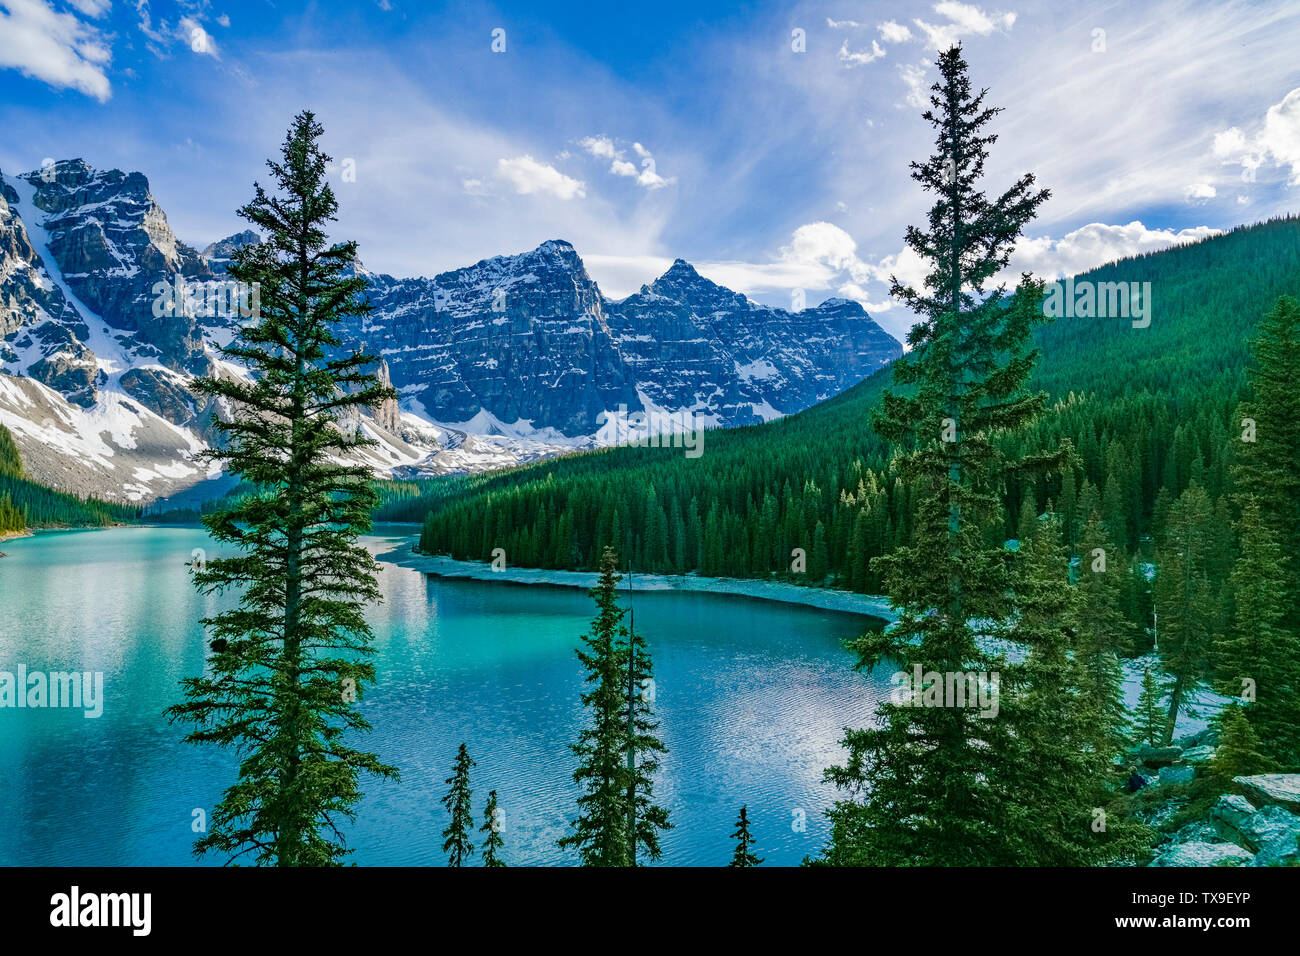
point(507, 360)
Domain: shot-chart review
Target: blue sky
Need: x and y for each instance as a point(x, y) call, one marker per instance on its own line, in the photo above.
point(765, 142)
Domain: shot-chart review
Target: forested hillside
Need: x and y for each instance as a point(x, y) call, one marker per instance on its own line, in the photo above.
point(25, 504)
point(1149, 410)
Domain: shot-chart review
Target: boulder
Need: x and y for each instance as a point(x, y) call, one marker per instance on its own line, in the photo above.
point(1270, 832)
point(1157, 757)
point(1231, 818)
point(1200, 754)
point(1177, 773)
point(1280, 789)
point(1203, 854)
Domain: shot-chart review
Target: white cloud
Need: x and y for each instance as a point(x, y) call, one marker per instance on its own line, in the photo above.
point(474, 187)
point(964, 19)
point(860, 59)
point(822, 257)
point(602, 147)
point(892, 32)
point(842, 24)
point(528, 176)
point(92, 8)
point(58, 48)
point(224, 20)
point(914, 79)
point(1199, 192)
point(1278, 140)
point(199, 40)
point(1096, 244)
point(819, 257)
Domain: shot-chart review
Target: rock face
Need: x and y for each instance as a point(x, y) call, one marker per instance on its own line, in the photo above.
point(1269, 833)
point(218, 254)
point(1203, 854)
point(1282, 789)
point(40, 330)
point(1157, 757)
point(111, 242)
point(507, 360)
point(530, 338)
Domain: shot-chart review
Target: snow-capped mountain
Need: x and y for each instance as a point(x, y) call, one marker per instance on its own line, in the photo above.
point(508, 360)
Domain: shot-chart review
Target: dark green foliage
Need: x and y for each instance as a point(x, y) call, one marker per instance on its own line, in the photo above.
point(25, 504)
point(1149, 722)
point(599, 833)
point(1239, 753)
point(1061, 741)
point(456, 839)
point(11, 463)
point(1149, 407)
point(938, 783)
point(291, 660)
point(493, 841)
point(1188, 598)
point(641, 748)
point(744, 855)
point(1257, 657)
point(1269, 466)
point(1103, 633)
point(617, 750)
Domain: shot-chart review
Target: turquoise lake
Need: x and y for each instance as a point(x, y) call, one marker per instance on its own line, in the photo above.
point(752, 697)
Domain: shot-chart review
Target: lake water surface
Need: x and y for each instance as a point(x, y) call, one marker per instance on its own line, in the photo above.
point(752, 697)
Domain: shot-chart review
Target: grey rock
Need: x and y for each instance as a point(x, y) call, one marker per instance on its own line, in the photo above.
point(1157, 757)
point(1282, 789)
point(1203, 854)
point(1176, 773)
point(1270, 831)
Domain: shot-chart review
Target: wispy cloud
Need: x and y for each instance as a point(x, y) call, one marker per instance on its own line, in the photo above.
point(528, 176)
point(58, 48)
point(602, 147)
point(1276, 140)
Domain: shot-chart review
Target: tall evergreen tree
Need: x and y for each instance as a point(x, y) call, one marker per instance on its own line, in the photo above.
point(1257, 658)
point(1187, 599)
point(1056, 760)
point(1149, 726)
point(922, 787)
point(641, 748)
point(457, 842)
point(1239, 753)
point(290, 661)
point(1269, 466)
point(600, 831)
point(744, 855)
point(493, 841)
point(1104, 633)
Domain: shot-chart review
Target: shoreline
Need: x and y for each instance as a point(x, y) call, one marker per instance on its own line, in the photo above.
point(825, 599)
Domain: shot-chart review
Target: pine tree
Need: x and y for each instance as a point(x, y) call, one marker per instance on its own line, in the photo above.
point(1187, 599)
point(1104, 634)
point(744, 855)
point(1028, 517)
point(1056, 759)
point(599, 832)
point(1258, 658)
point(1149, 726)
point(641, 749)
point(456, 842)
point(290, 661)
point(922, 788)
point(1239, 753)
point(493, 841)
point(1269, 467)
